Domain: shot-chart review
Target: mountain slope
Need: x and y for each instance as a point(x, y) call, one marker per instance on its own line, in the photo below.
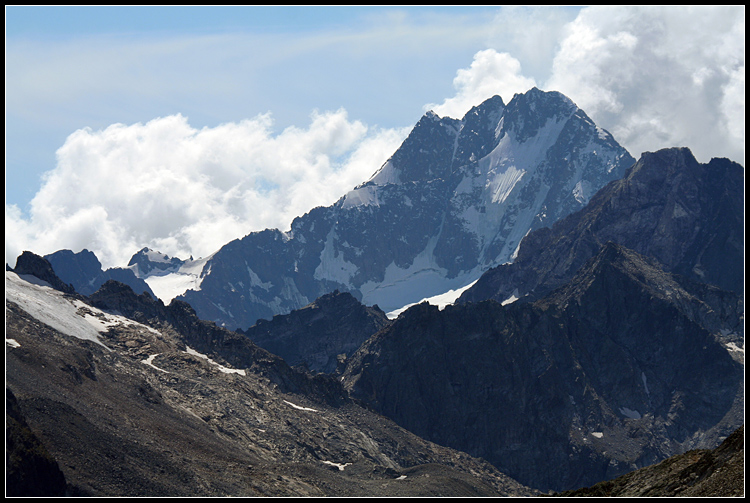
point(455, 199)
point(689, 216)
point(715, 472)
point(171, 405)
point(608, 374)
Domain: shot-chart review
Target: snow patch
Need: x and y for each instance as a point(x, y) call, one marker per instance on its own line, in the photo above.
point(302, 408)
point(222, 368)
point(582, 191)
point(629, 413)
point(440, 300)
point(645, 385)
point(361, 196)
point(12, 343)
point(513, 297)
point(597, 434)
point(337, 465)
point(52, 308)
point(333, 266)
point(423, 279)
point(502, 184)
point(169, 284)
point(255, 280)
point(150, 362)
point(386, 174)
point(155, 256)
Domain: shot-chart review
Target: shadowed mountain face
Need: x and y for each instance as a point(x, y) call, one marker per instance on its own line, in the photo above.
point(688, 216)
point(454, 200)
point(133, 398)
point(612, 372)
point(84, 271)
point(321, 335)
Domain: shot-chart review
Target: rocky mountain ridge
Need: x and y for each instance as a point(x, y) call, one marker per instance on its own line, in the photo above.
point(136, 408)
point(84, 271)
point(689, 216)
point(321, 335)
point(590, 382)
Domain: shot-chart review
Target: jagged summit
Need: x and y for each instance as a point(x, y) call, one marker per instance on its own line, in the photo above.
point(146, 260)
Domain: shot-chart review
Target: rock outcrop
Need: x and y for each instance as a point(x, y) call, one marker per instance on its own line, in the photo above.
point(29, 263)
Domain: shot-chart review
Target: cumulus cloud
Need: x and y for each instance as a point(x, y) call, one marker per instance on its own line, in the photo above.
point(659, 76)
point(655, 77)
point(490, 73)
point(187, 191)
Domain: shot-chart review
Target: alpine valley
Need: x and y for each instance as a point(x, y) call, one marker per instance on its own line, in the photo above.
point(512, 305)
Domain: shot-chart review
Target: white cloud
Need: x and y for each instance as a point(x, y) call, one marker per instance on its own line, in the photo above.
point(655, 77)
point(659, 77)
point(183, 191)
point(490, 73)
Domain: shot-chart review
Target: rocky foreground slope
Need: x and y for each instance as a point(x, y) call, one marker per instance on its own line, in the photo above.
point(702, 473)
point(132, 398)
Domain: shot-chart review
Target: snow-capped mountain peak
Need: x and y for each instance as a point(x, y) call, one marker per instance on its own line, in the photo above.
point(455, 199)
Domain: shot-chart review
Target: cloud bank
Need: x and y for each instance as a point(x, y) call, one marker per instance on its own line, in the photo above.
point(654, 77)
point(184, 191)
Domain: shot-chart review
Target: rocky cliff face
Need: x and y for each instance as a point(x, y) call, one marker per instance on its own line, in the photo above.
point(455, 199)
point(321, 335)
point(161, 403)
point(598, 378)
point(688, 216)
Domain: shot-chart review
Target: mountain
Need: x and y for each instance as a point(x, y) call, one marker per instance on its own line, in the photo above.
point(321, 335)
point(455, 199)
point(84, 271)
point(135, 398)
point(705, 472)
point(611, 372)
point(687, 215)
point(30, 264)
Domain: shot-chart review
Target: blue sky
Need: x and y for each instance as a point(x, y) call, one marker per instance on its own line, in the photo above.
point(145, 126)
